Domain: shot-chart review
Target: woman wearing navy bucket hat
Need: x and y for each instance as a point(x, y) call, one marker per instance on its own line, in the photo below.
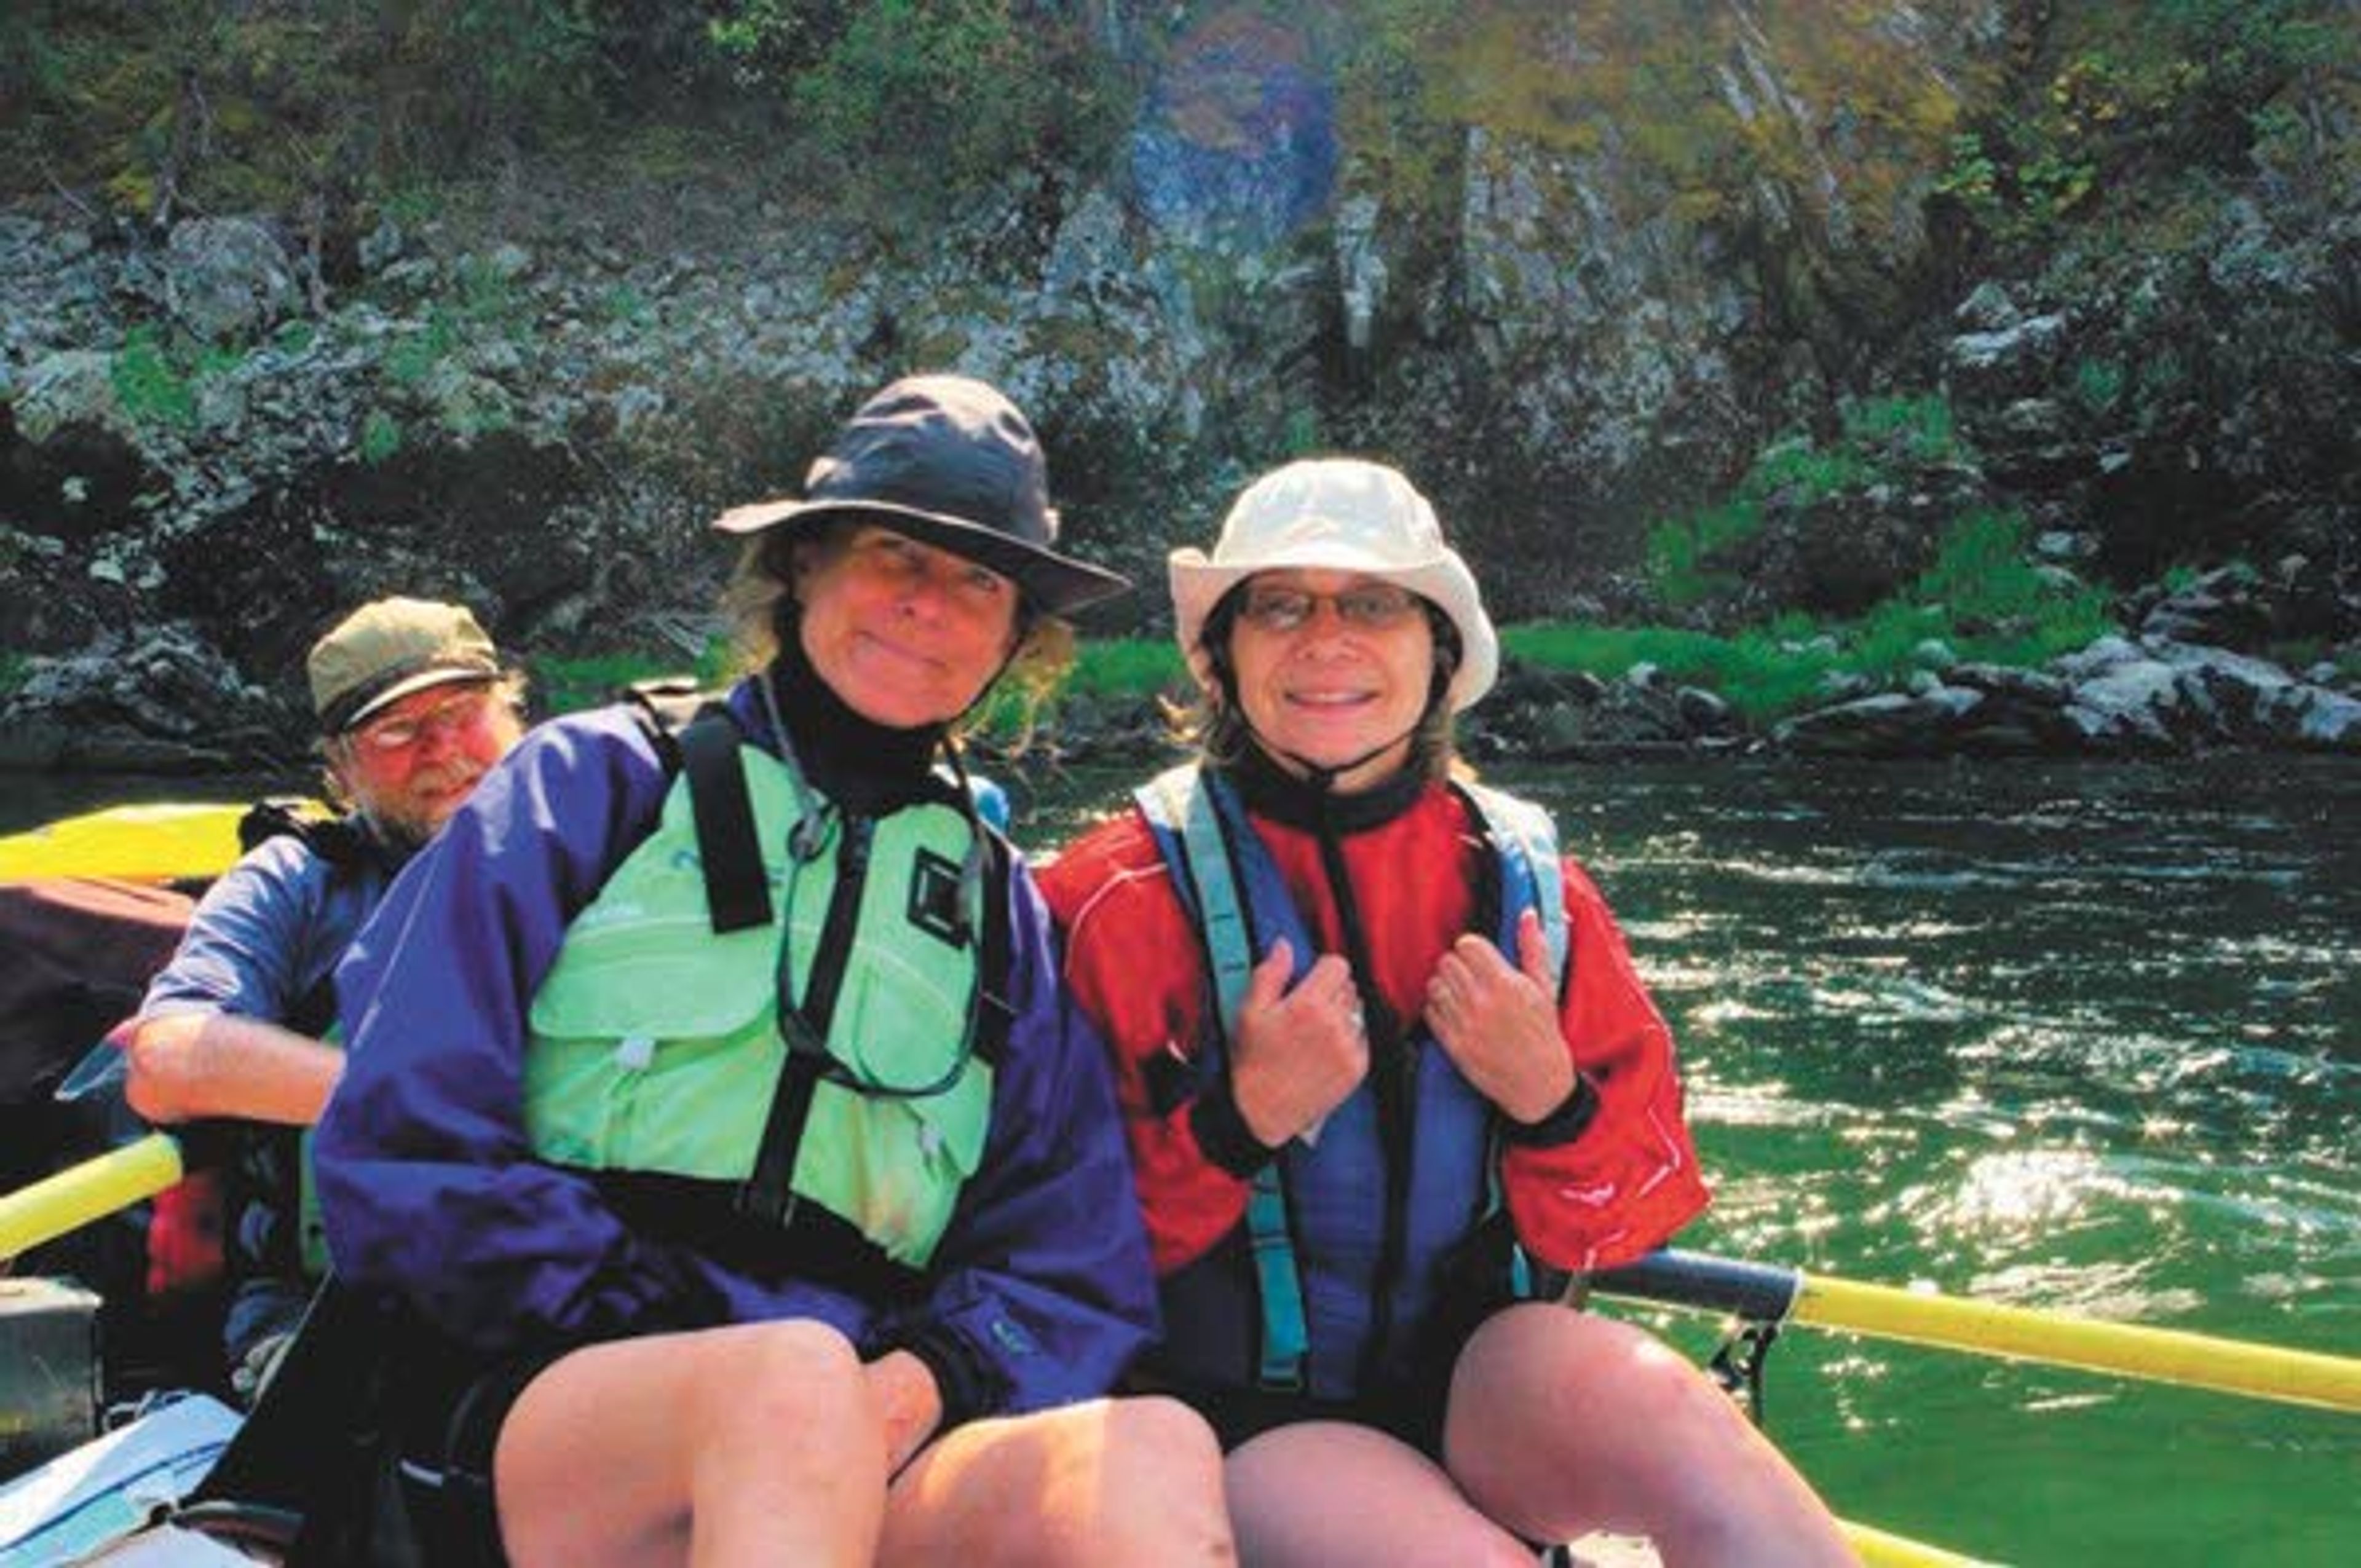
point(1387, 1073)
point(717, 1139)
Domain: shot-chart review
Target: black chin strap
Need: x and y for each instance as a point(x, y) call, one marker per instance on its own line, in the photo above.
point(1324, 776)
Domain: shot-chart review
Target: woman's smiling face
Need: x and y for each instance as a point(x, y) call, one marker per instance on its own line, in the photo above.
point(1341, 679)
point(906, 633)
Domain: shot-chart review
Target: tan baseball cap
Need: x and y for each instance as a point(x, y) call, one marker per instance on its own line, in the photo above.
point(386, 650)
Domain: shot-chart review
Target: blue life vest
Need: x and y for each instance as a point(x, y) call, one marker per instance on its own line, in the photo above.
point(1304, 1316)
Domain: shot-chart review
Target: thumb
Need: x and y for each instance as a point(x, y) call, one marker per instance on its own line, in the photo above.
point(1268, 982)
point(1533, 953)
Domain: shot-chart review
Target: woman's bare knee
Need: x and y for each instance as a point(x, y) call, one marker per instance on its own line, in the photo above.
point(1114, 1480)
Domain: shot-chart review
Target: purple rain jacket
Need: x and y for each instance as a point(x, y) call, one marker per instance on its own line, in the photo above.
point(1039, 1293)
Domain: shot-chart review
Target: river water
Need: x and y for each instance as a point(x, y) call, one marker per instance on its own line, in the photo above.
point(2076, 1037)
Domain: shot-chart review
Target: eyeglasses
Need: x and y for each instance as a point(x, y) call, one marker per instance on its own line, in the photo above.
point(1370, 607)
point(452, 717)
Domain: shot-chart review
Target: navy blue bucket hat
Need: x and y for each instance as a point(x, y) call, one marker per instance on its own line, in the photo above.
point(952, 463)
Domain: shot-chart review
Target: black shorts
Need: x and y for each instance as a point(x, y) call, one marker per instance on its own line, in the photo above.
point(1238, 1415)
point(448, 1426)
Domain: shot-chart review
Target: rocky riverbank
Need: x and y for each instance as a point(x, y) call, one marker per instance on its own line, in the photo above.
point(159, 703)
point(1740, 339)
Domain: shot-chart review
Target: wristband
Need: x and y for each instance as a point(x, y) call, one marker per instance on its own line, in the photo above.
point(1223, 1133)
point(1562, 1126)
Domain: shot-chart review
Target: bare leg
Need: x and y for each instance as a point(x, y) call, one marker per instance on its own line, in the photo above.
point(751, 1444)
point(1324, 1493)
point(1137, 1482)
point(1562, 1422)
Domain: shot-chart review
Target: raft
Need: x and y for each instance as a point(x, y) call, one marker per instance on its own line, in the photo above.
point(172, 841)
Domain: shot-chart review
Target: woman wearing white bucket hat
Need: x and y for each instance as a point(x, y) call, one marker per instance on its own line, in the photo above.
point(1387, 1066)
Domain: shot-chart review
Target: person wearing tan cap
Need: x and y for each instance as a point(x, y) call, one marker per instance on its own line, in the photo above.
point(414, 707)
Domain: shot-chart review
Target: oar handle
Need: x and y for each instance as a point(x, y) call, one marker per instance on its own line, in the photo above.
point(1767, 1293)
point(80, 1193)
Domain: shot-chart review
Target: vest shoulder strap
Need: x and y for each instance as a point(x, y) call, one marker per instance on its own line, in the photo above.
point(1524, 842)
point(1184, 809)
point(694, 731)
point(1180, 804)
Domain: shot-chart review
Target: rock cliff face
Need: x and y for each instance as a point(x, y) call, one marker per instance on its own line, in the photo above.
point(1579, 295)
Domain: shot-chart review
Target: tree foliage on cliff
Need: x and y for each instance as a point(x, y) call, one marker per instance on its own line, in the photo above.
point(154, 109)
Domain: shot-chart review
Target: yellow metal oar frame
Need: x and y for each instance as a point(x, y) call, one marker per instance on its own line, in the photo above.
point(1765, 1293)
point(80, 1193)
point(2164, 1355)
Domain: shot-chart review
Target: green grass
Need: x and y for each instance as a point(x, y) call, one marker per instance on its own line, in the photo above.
point(1127, 667)
point(1758, 674)
point(1884, 439)
point(1113, 670)
point(1678, 549)
point(568, 686)
point(380, 436)
point(154, 389)
point(1982, 599)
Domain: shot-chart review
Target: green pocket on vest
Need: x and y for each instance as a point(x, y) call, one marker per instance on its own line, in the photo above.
point(894, 1167)
point(893, 1163)
point(653, 1048)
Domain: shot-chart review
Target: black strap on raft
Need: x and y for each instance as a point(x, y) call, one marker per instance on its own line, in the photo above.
point(695, 733)
point(1761, 1298)
point(1738, 1366)
point(342, 841)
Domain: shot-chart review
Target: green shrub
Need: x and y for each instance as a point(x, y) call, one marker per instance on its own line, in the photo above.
point(1801, 472)
point(948, 98)
point(1127, 667)
point(1982, 599)
point(1680, 550)
point(1987, 588)
point(380, 437)
point(1761, 676)
point(154, 385)
point(1916, 429)
point(2098, 383)
point(570, 685)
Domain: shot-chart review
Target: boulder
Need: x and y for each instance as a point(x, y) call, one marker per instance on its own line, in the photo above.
point(228, 279)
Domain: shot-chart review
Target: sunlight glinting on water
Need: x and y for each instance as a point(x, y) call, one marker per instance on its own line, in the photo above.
point(2112, 1291)
point(2078, 1040)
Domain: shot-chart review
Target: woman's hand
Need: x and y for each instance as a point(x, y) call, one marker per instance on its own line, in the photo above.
point(1499, 1024)
point(1297, 1053)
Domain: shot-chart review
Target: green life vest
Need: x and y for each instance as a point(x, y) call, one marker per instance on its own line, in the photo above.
point(659, 1044)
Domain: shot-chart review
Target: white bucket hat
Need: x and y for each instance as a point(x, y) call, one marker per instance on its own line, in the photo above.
point(1339, 515)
